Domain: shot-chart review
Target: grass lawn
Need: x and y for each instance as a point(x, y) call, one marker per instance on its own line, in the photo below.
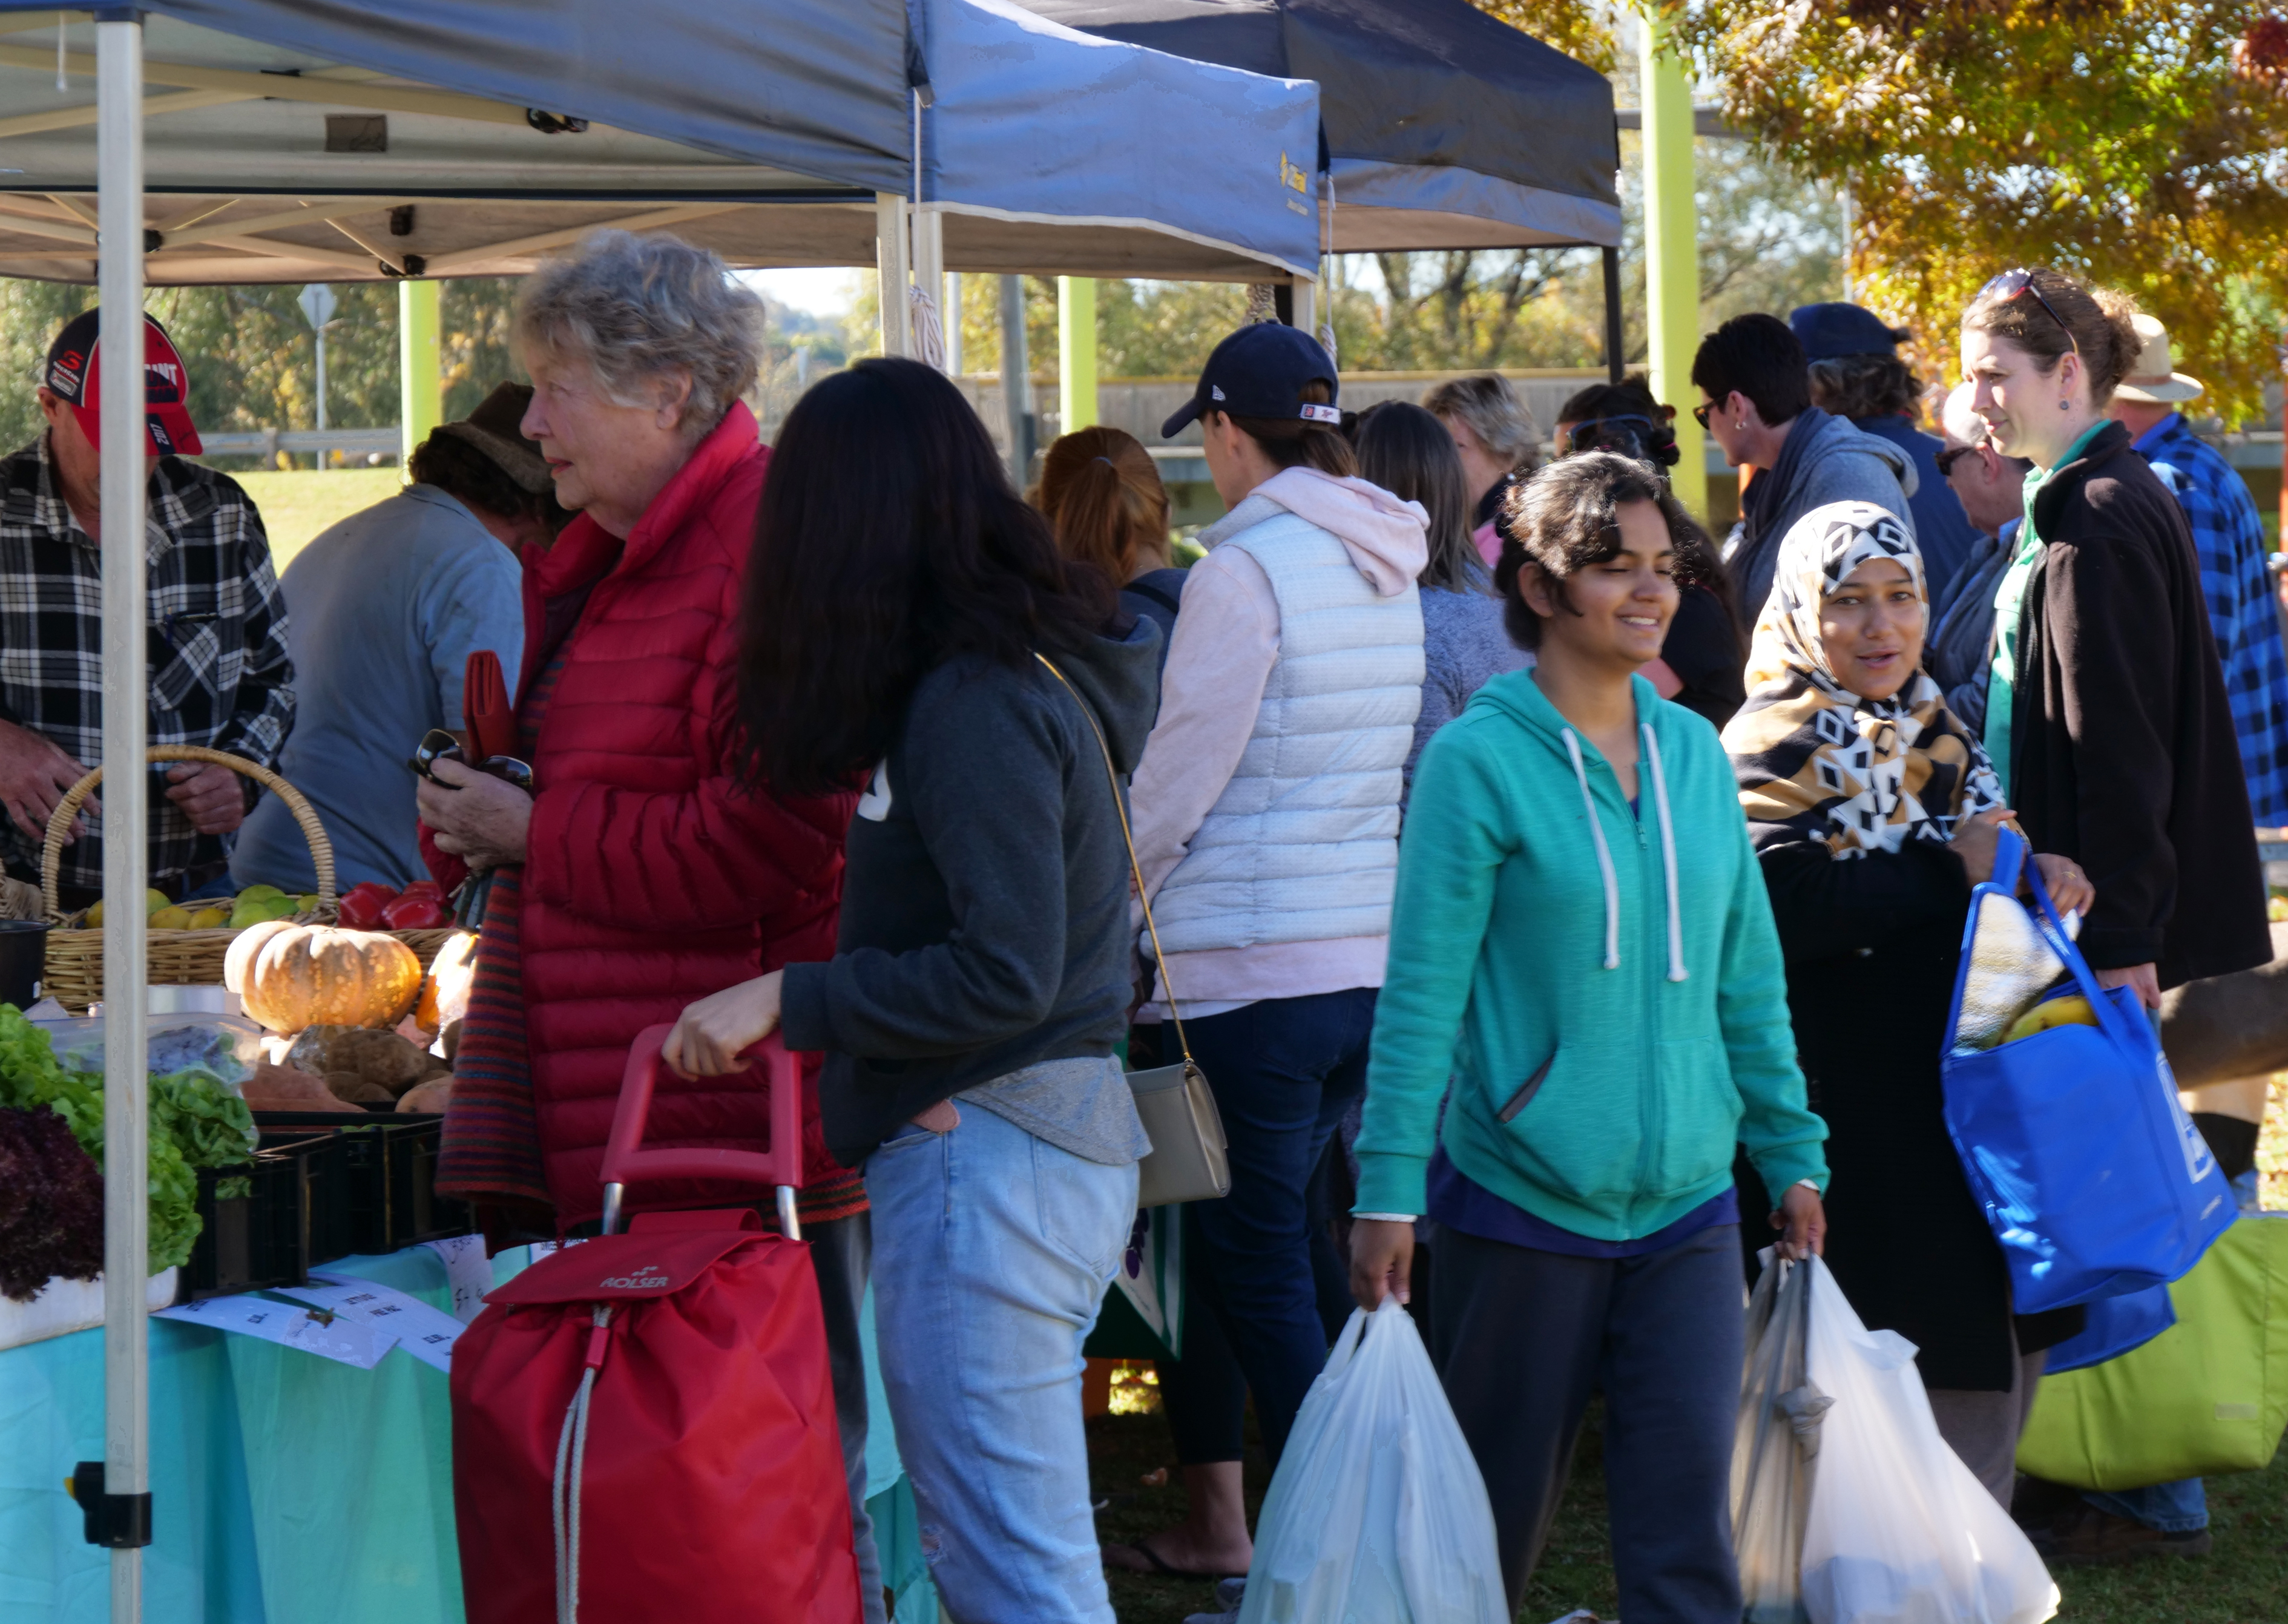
point(296, 507)
point(2244, 1582)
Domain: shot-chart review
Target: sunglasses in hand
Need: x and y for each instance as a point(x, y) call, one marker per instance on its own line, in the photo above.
point(438, 746)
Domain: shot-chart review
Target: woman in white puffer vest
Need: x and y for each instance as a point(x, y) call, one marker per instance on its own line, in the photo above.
point(1267, 820)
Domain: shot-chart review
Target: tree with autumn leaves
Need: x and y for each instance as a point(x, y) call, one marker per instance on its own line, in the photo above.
point(2138, 143)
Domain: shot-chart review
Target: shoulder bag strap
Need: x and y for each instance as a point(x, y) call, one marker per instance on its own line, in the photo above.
point(1128, 837)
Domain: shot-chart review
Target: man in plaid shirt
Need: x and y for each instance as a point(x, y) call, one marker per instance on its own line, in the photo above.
point(2230, 537)
point(218, 673)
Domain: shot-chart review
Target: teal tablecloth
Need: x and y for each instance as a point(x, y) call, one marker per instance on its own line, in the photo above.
point(286, 1488)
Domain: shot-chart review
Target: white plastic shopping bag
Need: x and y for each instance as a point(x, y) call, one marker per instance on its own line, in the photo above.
point(1899, 1531)
point(1376, 1514)
point(1775, 1445)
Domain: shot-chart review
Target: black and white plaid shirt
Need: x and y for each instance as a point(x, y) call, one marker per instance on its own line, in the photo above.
point(220, 675)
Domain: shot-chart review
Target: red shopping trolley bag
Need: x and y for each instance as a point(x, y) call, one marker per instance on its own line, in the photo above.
point(643, 1423)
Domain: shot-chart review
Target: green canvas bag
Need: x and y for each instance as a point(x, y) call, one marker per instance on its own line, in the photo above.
point(2206, 1397)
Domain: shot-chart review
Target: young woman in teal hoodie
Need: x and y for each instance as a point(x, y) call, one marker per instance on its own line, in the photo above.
point(1583, 965)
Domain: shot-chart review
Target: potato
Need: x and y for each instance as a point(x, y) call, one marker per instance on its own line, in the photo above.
point(356, 1089)
point(382, 1058)
point(432, 1096)
point(276, 1088)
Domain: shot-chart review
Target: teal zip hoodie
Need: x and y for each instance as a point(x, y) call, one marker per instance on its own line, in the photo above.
point(1604, 989)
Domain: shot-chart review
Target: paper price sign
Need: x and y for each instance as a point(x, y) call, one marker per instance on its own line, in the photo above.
point(426, 1333)
point(329, 1336)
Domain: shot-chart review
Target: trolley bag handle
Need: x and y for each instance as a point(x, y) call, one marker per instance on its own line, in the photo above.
point(626, 1162)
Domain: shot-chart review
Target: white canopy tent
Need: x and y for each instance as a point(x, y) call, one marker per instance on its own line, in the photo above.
point(369, 138)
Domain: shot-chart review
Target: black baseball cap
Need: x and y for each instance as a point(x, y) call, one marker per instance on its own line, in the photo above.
point(1260, 372)
point(75, 374)
point(1830, 331)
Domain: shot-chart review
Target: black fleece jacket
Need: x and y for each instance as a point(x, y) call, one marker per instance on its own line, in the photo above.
point(2124, 754)
point(985, 905)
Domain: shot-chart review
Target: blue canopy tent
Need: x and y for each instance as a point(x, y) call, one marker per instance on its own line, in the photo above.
point(343, 139)
point(360, 139)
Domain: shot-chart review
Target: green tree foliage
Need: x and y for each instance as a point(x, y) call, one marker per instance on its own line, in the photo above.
point(2135, 142)
point(253, 359)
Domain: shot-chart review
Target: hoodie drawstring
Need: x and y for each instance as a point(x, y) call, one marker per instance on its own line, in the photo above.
point(1676, 971)
point(1604, 856)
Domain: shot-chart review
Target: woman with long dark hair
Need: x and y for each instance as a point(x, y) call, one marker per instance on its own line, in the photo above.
point(911, 626)
point(1406, 450)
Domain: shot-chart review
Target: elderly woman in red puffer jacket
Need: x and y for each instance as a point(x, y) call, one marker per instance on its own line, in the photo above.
point(639, 877)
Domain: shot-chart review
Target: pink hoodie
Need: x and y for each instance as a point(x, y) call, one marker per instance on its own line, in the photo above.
point(1226, 644)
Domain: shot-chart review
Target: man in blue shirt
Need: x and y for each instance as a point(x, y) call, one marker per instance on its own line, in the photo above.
point(2230, 537)
point(388, 605)
point(1852, 357)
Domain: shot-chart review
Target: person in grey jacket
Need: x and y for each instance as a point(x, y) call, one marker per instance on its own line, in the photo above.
point(1408, 452)
point(917, 632)
point(1960, 651)
point(1757, 403)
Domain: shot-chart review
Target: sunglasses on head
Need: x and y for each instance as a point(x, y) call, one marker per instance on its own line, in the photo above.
point(1946, 459)
point(1626, 431)
point(2011, 283)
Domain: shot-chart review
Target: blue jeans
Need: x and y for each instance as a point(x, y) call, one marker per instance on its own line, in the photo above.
point(1283, 1070)
point(992, 1249)
point(2174, 1508)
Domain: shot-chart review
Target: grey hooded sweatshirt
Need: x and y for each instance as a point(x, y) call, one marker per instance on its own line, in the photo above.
point(1825, 459)
point(983, 949)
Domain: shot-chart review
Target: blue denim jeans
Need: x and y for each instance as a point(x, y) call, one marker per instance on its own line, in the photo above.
point(1283, 1071)
point(2174, 1508)
point(992, 1250)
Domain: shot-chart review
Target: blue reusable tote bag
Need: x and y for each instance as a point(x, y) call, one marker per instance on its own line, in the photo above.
point(2092, 1177)
point(2117, 1325)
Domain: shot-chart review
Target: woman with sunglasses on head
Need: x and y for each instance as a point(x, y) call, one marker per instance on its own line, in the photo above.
point(2106, 717)
point(1699, 665)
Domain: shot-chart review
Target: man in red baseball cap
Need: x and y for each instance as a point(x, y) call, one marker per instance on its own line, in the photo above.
point(218, 672)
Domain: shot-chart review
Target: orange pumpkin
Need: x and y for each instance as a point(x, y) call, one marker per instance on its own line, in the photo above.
point(291, 976)
point(445, 994)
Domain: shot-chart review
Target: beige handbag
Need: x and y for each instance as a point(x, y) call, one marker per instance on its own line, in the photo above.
point(1187, 1161)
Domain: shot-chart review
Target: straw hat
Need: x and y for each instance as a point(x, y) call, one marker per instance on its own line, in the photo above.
point(492, 428)
point(2152, 382)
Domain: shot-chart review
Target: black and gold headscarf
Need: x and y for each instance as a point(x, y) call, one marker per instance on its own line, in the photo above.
point(1815, 761)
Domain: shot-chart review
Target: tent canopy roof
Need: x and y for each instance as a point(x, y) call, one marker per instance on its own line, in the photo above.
point(293, 142)
point(1443, 128)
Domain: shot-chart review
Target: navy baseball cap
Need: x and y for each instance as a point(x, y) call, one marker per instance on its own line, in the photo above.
point(1828, 331)
point(1260, 372)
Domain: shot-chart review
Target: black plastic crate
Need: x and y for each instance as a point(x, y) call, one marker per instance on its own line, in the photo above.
point(294, 1214)
point(391, 1171)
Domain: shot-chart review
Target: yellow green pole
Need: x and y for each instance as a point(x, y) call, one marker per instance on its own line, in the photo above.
point(420, 364)
point(1076, 353)
point(1672, 252)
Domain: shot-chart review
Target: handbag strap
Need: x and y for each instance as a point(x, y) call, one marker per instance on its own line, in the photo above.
point(1128, 838)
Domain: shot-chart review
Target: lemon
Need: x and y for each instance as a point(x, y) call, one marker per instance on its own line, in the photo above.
point(153, 901)
point(95, 915)
point(171, 918)
point(210, 919)
point(307, 903)
point(254, 892)
point(2070, 1011)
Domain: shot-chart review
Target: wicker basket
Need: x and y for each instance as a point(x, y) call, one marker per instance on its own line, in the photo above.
point(179, 958)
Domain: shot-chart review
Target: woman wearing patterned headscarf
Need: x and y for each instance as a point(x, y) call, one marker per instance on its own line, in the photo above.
point(1874, 811)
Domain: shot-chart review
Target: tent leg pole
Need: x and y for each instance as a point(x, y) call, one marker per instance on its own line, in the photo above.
point(126, 1129)
point(893, 263)
point(420, 363)
point(1016, 379)
point(1076, 353)
point(1615, 357)
point(1305, 298)
point(929, 270)
point(1671, 252)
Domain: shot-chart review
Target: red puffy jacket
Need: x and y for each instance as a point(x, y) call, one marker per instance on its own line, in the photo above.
point(651, 877)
